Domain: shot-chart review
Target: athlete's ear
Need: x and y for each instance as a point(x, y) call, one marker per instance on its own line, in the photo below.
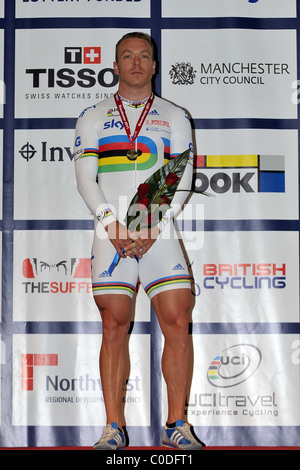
point(154, 67)
point(116, 68)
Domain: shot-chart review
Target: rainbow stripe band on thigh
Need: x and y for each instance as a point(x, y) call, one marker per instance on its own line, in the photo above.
point(167, 282)
point(116, 287)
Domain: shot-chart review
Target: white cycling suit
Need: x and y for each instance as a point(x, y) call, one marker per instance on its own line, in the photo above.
point(107, 181)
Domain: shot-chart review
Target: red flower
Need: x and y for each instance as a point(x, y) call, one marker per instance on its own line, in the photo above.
point(164, 200)
point(144, 202)
point(171, 179)
point(143, 190)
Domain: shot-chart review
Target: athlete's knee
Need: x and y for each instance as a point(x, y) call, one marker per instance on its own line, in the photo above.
point(174, 318)
point(116, 317)
point(115, 328)
point(178, 326)
point(175, 325)
point(173, 306)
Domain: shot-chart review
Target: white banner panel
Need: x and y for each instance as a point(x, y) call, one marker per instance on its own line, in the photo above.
point(246, 277)
point(1, 276)
point(1, 173)
point(248, 173)
point(56, 381)
point(52, 277)
point(224, 8)
point(245, 380)
point(2, 361)
point(232, 74)
point(76, 72)
point(2, 84)
point(82, 8)
point(1, 312)
point(45, 158)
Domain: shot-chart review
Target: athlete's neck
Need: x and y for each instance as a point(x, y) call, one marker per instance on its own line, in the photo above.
point(134, 94)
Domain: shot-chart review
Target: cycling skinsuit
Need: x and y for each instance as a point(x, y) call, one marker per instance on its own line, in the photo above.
point(107, 180)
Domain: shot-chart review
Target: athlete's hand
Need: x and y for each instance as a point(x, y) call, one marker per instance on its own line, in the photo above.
point(145, 239)
point(121, 240)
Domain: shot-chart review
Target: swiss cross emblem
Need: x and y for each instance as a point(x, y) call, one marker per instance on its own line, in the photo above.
point(92, 55)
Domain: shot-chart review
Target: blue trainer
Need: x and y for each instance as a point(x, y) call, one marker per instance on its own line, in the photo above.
point(112, 438)
point(180, 437)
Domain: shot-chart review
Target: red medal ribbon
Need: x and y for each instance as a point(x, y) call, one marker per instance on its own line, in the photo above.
point(141, 118)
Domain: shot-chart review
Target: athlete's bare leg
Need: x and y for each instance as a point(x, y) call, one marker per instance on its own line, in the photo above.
point(172, 308)
point(116, 314)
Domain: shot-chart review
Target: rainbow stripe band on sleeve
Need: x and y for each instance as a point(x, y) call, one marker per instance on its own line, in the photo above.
point(108, 212)
point(117, 287)
point(167, 281)
point(90, 153)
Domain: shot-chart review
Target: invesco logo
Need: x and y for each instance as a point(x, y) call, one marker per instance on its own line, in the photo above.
point(235, 365)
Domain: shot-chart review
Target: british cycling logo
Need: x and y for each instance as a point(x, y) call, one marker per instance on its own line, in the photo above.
point(234, 365)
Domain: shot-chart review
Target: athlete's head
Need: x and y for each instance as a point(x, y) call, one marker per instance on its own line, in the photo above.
point(135, 62)
point(135, 35)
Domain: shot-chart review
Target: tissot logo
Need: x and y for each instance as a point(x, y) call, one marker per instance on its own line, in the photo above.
point(82, 55)
point(69, 76)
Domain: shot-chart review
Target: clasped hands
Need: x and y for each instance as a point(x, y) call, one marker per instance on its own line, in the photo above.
point(132, 244)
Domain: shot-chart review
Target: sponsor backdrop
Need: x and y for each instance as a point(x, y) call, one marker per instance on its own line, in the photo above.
point(233, 65)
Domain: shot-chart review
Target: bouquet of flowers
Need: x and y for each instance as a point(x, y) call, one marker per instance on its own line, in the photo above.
point(154, 196)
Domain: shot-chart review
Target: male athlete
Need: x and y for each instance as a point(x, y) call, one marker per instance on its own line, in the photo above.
point(119, 143)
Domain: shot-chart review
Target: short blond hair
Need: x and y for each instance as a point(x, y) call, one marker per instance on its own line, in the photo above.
point(138, 35)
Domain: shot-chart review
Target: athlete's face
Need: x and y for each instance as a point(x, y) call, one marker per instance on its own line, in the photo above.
point(135, 65)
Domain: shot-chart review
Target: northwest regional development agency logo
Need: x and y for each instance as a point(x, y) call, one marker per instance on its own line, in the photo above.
point(239, 173)
point(234, 365)
point(29, 362)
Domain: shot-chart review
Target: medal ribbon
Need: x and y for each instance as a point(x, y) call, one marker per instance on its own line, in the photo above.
point(125, 119)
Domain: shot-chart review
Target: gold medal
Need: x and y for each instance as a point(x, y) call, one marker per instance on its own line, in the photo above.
point(132, 154)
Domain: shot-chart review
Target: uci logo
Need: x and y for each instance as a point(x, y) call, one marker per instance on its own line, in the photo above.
point(235, 365)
